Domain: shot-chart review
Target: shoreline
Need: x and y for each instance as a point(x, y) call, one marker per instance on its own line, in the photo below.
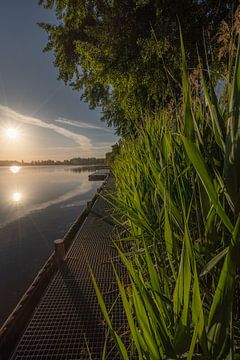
point(13, 326)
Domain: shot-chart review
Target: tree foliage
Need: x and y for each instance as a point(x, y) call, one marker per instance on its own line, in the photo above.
point(124, 55)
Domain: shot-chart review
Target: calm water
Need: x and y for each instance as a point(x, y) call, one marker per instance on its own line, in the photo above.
point(37, 205)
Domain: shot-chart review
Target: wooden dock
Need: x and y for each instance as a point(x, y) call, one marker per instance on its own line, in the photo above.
point(67, 322)
point(100, 174)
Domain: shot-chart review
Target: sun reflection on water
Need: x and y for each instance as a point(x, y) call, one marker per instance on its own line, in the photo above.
point(15, 169)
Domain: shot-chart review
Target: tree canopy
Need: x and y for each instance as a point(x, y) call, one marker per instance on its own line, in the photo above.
point(123, 55)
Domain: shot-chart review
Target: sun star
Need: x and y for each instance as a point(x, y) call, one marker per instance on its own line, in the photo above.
point(11, 133)
point(15, 169)
point(17, 196)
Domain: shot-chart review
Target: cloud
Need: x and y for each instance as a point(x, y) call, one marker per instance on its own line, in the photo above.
point(81, 124)
point(103, 146)
point(81, 189)
point(72, 148)
point(83, 141)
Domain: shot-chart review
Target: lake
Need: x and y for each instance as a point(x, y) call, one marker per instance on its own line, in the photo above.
point(37, 206)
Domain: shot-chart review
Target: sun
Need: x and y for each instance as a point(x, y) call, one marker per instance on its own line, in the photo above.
point(17, 197)
point(11, 133)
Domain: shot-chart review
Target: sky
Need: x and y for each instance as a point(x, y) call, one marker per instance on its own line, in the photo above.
point(50, 120)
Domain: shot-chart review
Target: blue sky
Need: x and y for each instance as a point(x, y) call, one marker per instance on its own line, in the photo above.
point(52, 122)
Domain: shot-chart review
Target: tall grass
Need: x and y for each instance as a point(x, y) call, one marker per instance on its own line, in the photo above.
point(178, 197)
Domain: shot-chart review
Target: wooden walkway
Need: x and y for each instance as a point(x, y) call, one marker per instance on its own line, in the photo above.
point(67, 320)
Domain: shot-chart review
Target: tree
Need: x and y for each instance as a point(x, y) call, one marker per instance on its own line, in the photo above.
point(124, 55)
point(111, 156)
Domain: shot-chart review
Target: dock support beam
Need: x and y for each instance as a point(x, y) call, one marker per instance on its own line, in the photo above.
point(59, 251)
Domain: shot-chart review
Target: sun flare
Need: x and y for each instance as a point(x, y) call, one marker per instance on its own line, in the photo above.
point(17, 196)
point(15, 169)
point(11, 133)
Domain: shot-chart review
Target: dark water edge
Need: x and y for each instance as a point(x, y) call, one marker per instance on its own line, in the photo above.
point(26, 244)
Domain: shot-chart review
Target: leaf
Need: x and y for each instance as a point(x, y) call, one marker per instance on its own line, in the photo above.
point(197, 312)
point(215, 115)
point(188, 116)
point(232, 159)
point(128, 313)
point(193, 343)
point(144, 323)
point(197, 160)
point(121, 347)
point(221, 308)
point(152, 271)
point(169, 241)
point(181, 295)
point(208, 267)
point(147, 301)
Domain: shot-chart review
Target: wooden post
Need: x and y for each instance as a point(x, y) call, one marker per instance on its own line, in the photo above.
point(59, 251)
point(89, 204)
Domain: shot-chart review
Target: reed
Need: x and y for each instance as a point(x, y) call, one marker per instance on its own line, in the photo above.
point(178, 202)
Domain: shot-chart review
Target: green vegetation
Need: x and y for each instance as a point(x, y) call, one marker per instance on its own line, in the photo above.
point(177, 172)
point(124, 55)
point(110, 156)
point(178, 191)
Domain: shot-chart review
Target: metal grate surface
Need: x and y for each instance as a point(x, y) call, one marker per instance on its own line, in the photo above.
point(67, 322)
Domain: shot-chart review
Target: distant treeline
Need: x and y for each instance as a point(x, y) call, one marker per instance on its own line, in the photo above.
point(74, 161)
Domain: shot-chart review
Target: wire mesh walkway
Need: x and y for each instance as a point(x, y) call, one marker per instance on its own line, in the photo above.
point(67, 323)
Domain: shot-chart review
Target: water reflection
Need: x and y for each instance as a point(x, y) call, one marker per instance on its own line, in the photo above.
point(17, 197)
point(89, 168)
point(36, 188)
point(37, 205)
point(15, 169)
